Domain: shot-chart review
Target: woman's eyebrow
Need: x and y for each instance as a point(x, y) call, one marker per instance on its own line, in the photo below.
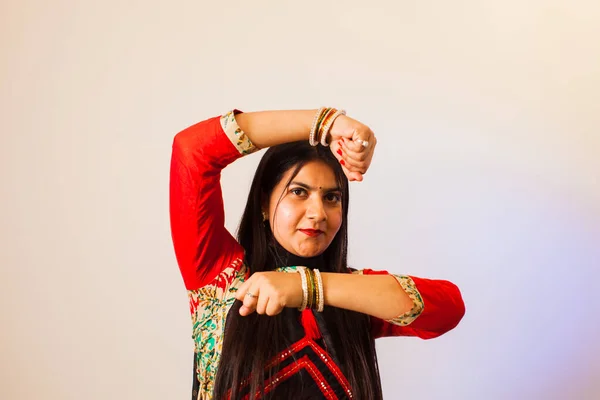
point(304, 185)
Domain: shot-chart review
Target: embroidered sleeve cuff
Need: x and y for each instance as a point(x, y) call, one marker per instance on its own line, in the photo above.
point(410, 288)
point(235, 134)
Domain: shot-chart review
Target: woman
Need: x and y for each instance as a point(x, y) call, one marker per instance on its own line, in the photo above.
point(277, 313)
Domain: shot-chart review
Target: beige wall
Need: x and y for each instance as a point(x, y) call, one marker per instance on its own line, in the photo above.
point(487, 173)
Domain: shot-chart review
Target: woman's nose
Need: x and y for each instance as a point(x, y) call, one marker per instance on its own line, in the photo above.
point(316, 211)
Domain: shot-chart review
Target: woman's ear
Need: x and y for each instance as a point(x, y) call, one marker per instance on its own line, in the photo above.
point(265, 207)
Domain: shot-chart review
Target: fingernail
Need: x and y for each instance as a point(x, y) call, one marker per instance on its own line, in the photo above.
point(342, 162)
point(339, 152)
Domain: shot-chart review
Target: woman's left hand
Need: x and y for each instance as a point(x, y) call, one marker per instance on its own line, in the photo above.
point(269, 292)
point(353, 144)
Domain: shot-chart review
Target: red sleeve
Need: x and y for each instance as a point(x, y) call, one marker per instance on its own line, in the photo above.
point(443, 309)
point(203, 246)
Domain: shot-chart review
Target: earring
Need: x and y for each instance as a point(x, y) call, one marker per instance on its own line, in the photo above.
point(265, 216)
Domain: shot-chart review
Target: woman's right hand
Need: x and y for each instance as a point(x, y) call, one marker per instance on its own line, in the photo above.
point(347, 138)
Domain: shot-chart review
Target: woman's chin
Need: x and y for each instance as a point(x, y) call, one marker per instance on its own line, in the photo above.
point(309, 252)
point(306, 248)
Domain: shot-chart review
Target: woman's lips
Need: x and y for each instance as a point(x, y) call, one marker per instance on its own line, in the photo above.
point(311, 232)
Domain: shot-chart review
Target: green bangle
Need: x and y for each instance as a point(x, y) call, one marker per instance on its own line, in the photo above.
point(319, 122)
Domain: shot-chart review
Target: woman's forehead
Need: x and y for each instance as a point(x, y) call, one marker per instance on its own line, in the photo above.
point(315, 174)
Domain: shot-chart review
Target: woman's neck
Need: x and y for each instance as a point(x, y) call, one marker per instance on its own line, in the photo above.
point(284, 258)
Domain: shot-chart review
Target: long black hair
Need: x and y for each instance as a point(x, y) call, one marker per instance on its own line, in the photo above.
point(251, 341)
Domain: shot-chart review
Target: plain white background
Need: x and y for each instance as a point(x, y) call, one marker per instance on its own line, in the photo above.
point(487, 173)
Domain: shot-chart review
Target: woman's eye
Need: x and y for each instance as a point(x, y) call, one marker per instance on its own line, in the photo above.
point(297, 191)
point(333, 197)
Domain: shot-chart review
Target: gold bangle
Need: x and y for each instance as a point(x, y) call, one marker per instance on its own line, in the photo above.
point(313, 293)
point(326, 127)
point(310, 288)
point(317, 135)
point(313, 130)
point(321, 134)
point(302, 272)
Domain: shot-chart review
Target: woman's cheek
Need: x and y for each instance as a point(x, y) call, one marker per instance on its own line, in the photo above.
point(286, 215)
point(335, 221)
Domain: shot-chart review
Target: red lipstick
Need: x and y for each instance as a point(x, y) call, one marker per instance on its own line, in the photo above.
point(311, 232)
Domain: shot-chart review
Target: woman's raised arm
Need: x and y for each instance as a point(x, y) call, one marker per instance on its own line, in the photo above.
point(203, 246)
point(270, 128)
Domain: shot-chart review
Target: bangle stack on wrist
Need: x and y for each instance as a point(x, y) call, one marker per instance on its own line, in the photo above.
point(322, 124)
point(312, 289)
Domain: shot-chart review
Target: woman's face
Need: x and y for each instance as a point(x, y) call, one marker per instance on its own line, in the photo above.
point(309, 214)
